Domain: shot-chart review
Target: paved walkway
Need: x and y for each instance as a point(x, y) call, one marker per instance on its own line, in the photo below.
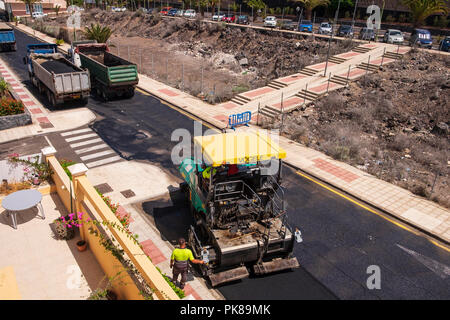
point(44, 268)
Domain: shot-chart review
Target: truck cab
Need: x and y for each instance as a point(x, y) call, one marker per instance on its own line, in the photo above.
point(73, 56)
point(7, 38)
point(41, 48)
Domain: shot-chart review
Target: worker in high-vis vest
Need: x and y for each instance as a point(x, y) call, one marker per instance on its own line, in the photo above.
point(179, 262)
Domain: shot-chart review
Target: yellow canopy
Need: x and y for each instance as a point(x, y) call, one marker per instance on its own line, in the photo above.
point(237, 148)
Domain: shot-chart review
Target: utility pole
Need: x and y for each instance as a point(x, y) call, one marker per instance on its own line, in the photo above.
point(331, 38)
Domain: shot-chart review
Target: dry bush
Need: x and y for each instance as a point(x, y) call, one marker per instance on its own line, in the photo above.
point(400, 142)
point(332, 103)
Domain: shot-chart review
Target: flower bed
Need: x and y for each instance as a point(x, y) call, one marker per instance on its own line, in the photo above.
point(9, 107)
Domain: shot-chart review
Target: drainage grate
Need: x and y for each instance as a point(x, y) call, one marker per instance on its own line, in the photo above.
point(103, 188)
point(128, 193)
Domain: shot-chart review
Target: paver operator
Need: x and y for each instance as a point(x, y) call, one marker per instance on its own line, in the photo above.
point(179, 262)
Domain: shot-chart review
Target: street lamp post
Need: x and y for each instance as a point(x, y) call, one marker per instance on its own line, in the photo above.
point(331, 38)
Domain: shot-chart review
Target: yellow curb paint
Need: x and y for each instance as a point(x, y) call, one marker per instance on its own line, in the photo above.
point(142, 91)
point(439, 245)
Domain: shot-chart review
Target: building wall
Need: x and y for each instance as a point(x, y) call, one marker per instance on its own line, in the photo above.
point(19, 9)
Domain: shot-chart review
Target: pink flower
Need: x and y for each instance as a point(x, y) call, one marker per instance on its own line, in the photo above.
point(69, 226)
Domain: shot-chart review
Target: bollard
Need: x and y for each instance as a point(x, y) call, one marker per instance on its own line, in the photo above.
point(328, 85)
point(304, 96)
point(182, 76)
point(348, 73)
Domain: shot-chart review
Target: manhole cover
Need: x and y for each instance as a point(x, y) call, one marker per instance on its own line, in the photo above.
point(140, 135)
point(128, 193)
point(103, 188)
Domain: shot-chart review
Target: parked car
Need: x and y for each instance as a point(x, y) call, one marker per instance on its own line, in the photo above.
point(242, 19)
point(421, 38)
point(172, 12)
point(367, 34)
point(228, 17)
point(189, 13)
point(217, 16)
point(305, 26)
point(445, 45)
point(38, 15)
point(118, 9)
point(288, 24)
point(325, 28)
point(393, 36)
point(165, 11)
point(345, 30)
point(270, 22)
point(180, 12)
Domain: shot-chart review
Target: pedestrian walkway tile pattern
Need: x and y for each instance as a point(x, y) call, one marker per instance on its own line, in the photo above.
point(27, 100)
point(338, 172)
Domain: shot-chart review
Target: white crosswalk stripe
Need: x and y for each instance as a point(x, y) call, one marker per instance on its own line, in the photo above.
point(91, 149)
point(70, 133)
point(84, 136)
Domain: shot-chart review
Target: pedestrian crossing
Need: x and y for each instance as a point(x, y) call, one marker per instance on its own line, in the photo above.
point(90, 148)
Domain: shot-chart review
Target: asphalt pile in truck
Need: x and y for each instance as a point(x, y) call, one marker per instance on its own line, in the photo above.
point(57, 66)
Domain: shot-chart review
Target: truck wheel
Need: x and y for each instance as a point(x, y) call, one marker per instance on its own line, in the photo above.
point(84, 101)
point(129, 93)
point(105, 96)
point(51, 98)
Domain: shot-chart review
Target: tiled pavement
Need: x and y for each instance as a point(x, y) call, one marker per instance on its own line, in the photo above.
point(28, 100)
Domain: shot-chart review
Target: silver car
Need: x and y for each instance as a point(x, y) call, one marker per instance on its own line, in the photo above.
point(325, 28)
point(393, 36)
point(270, 22)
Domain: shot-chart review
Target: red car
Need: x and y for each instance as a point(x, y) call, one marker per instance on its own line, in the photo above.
point(228, 17)
point(165, 10)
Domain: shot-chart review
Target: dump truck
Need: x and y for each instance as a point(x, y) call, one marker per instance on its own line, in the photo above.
point(7, 38)
point(111, 75)
point(235, 197)
point(55, 76)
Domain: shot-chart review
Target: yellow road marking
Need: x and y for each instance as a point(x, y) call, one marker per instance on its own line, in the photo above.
point(372, 211)
point(356, 202)
point(142, 91)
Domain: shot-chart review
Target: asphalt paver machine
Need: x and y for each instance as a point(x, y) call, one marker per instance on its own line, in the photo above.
point(233, 188)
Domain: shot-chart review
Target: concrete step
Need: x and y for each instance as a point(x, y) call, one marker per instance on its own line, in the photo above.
point(272, 110)
point(370, 67)
point(240, 100)
point(339, 80)
point(307, 71)
point(277, 85)
point(309, 95)
point(268, 114)
point(392, 55)
point(336, 60)
point(361, 49)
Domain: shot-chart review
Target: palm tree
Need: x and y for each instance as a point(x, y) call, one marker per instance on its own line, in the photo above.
point(311, 4)
point(98, 32)
point(422, 9)
point(30, 5)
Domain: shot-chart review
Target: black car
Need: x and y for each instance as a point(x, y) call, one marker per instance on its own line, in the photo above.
point(367, 34)
point(242, 19)
point(288, 25)
point(345, 30)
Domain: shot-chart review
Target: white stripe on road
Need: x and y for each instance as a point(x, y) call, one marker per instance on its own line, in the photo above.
point(97, 155)
point(69, 133)
point(104, 161)
point(97, 147)
point(79, 144)
point(84, 136)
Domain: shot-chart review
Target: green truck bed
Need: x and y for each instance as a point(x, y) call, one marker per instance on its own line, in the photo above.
point(109, 69)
